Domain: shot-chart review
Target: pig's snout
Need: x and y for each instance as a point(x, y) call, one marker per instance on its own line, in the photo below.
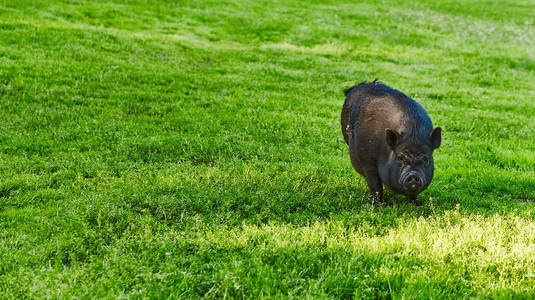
point(413, 182)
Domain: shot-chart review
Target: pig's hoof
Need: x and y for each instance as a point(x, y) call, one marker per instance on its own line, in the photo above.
point(417, 202)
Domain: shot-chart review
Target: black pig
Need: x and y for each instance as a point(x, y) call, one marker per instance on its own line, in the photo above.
point(391, 140)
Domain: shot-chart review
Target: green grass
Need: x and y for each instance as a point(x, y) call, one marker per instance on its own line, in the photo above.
point(159, 149)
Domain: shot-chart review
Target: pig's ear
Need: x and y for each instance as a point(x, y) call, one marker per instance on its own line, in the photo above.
point(435, 137)
point(392, 138)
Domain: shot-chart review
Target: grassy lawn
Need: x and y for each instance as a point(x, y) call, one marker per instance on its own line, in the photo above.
point(156, 149)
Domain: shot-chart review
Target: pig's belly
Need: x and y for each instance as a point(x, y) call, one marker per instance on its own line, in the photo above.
point(353, 154)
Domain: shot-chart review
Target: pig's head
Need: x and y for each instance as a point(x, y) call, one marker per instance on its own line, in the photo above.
point(410, 165)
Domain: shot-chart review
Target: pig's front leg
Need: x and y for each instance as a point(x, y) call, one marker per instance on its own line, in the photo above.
point(414, 199)
point(376, 188)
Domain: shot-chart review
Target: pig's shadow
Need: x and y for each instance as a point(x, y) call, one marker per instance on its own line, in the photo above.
point(392, 199)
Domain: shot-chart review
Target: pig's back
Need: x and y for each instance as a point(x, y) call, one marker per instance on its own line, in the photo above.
point(372, 107)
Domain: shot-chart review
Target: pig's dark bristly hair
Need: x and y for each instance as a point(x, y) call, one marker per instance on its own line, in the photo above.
point(377, 88)
point(348, 103)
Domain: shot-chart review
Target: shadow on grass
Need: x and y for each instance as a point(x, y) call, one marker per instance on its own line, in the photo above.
point(298, 195)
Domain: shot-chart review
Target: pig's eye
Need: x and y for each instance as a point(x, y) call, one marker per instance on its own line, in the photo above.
point(402, 159)
point(426, 161)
